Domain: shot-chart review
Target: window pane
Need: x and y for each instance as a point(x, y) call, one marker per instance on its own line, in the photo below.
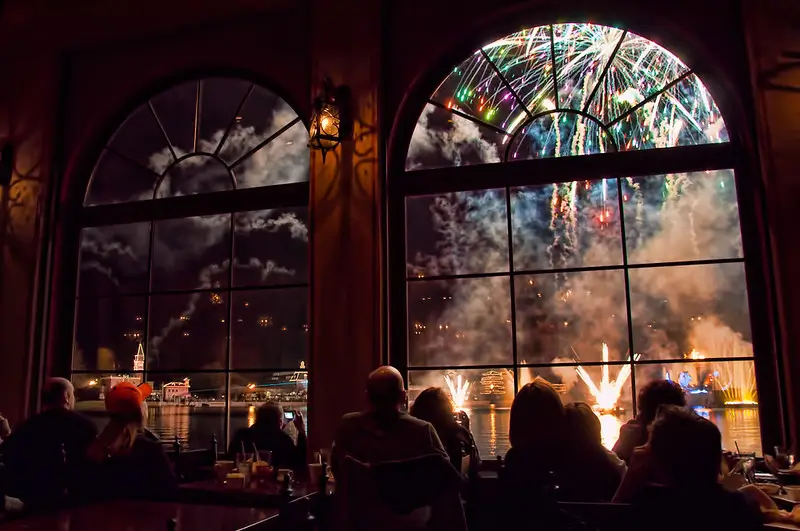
point(220, 100)
point(442, 139)
point(560, 134)
point(188, 331)
point(188, 406)
point(570, 316)
point(192, 253)
point(459, 322)
point(609, 393)
point(175, 109)
point(677, 310)
point(251, 389)
point(485, 395)
point(682, 216)
point(683, 115)
point(113, 259)
point(574, 224)
point(582, 51)
point(118, 180)
point(271, 247)
point(196, 174)
point(108, 332)
point(140, 139)
point(458, 233)
point(723, 392)
point(270, 328)
point(283, 160)
point(639, 69)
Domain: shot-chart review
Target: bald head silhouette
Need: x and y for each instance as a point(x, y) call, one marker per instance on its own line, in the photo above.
point(385, 389)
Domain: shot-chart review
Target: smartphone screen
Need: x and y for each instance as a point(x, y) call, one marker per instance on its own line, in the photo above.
point(288, 415)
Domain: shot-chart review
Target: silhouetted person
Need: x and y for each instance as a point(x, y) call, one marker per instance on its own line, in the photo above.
point(652, 396)
point(434, 405)
point(531, 483)
point(391, 469)
point(678, 468)
point(592, 472)
point(45, 457)
point(129, 462)
point(267, 433)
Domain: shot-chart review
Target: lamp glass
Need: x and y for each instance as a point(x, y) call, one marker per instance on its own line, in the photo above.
point(325, 126)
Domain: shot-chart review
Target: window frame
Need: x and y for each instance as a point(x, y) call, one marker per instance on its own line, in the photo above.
point(403, 184)
point(70, 216)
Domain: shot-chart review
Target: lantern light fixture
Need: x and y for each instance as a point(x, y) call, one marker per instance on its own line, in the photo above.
point(331, 121)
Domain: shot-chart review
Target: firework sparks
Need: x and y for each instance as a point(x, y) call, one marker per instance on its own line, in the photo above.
point(608, 393)
point(459, 390)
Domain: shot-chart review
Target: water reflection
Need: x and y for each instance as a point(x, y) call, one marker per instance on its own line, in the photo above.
point(609, 430)
point(195, 426)
point(737, 425)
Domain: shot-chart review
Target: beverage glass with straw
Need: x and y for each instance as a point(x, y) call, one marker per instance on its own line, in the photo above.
point(244, 463)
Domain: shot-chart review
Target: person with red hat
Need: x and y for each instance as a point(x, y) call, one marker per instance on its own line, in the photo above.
point(132, 463)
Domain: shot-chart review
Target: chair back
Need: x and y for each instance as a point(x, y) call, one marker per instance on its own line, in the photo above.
point(600, 516)
point(397, 495)
point(193, 465)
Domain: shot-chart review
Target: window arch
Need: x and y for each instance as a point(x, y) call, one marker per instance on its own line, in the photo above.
point(563, 90)
point(193, 264)
point(570, 212)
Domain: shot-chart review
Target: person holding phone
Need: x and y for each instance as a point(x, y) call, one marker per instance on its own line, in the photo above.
point(268, 434)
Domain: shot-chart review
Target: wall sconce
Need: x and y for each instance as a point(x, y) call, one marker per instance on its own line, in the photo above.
point(331, 120)
point(6, 163)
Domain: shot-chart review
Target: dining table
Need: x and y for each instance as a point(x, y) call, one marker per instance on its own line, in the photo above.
point(136, 515)
point(268, 494)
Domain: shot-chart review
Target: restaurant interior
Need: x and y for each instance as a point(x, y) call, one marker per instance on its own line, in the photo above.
point(264, 200)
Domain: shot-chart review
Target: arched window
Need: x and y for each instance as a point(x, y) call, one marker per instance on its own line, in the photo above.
point(570, 213)
point(193, 268)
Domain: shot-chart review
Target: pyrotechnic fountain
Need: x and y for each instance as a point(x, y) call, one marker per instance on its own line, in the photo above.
point(459, 390)
point(738, 384)
point(608, 393)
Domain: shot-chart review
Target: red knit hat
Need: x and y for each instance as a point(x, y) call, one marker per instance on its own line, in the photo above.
point(126, 398)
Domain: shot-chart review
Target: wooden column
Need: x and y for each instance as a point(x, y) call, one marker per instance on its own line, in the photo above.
point(772, 31)
point(345, 218)
point(27, 110)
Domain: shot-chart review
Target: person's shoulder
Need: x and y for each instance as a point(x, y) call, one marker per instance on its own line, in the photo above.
point(353, 420)
point(414, 422)
point(80, 419)
point(145, 443)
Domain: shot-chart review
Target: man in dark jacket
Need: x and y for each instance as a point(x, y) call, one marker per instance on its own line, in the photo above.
point(45, 457)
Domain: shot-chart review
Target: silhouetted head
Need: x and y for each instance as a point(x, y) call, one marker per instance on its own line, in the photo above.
point(656, 394)
point(58, 393)
point(434, 405)
point(686, 448)
point(537, 415)
point(385, 389)
point(269, 415)
point(582, 423)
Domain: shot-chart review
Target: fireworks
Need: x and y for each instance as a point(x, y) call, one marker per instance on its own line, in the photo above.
point(459, 390)
point(608, 393)
point(575, 89)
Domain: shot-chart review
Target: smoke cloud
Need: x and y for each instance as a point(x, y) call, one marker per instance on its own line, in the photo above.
point(568, 315)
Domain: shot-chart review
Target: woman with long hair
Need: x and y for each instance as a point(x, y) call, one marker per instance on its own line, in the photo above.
point(131, 460)
point(434, 405)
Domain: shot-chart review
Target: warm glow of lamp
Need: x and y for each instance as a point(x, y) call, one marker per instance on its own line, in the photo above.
point(93, 382)
point(251, 386)
point(330, 122)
